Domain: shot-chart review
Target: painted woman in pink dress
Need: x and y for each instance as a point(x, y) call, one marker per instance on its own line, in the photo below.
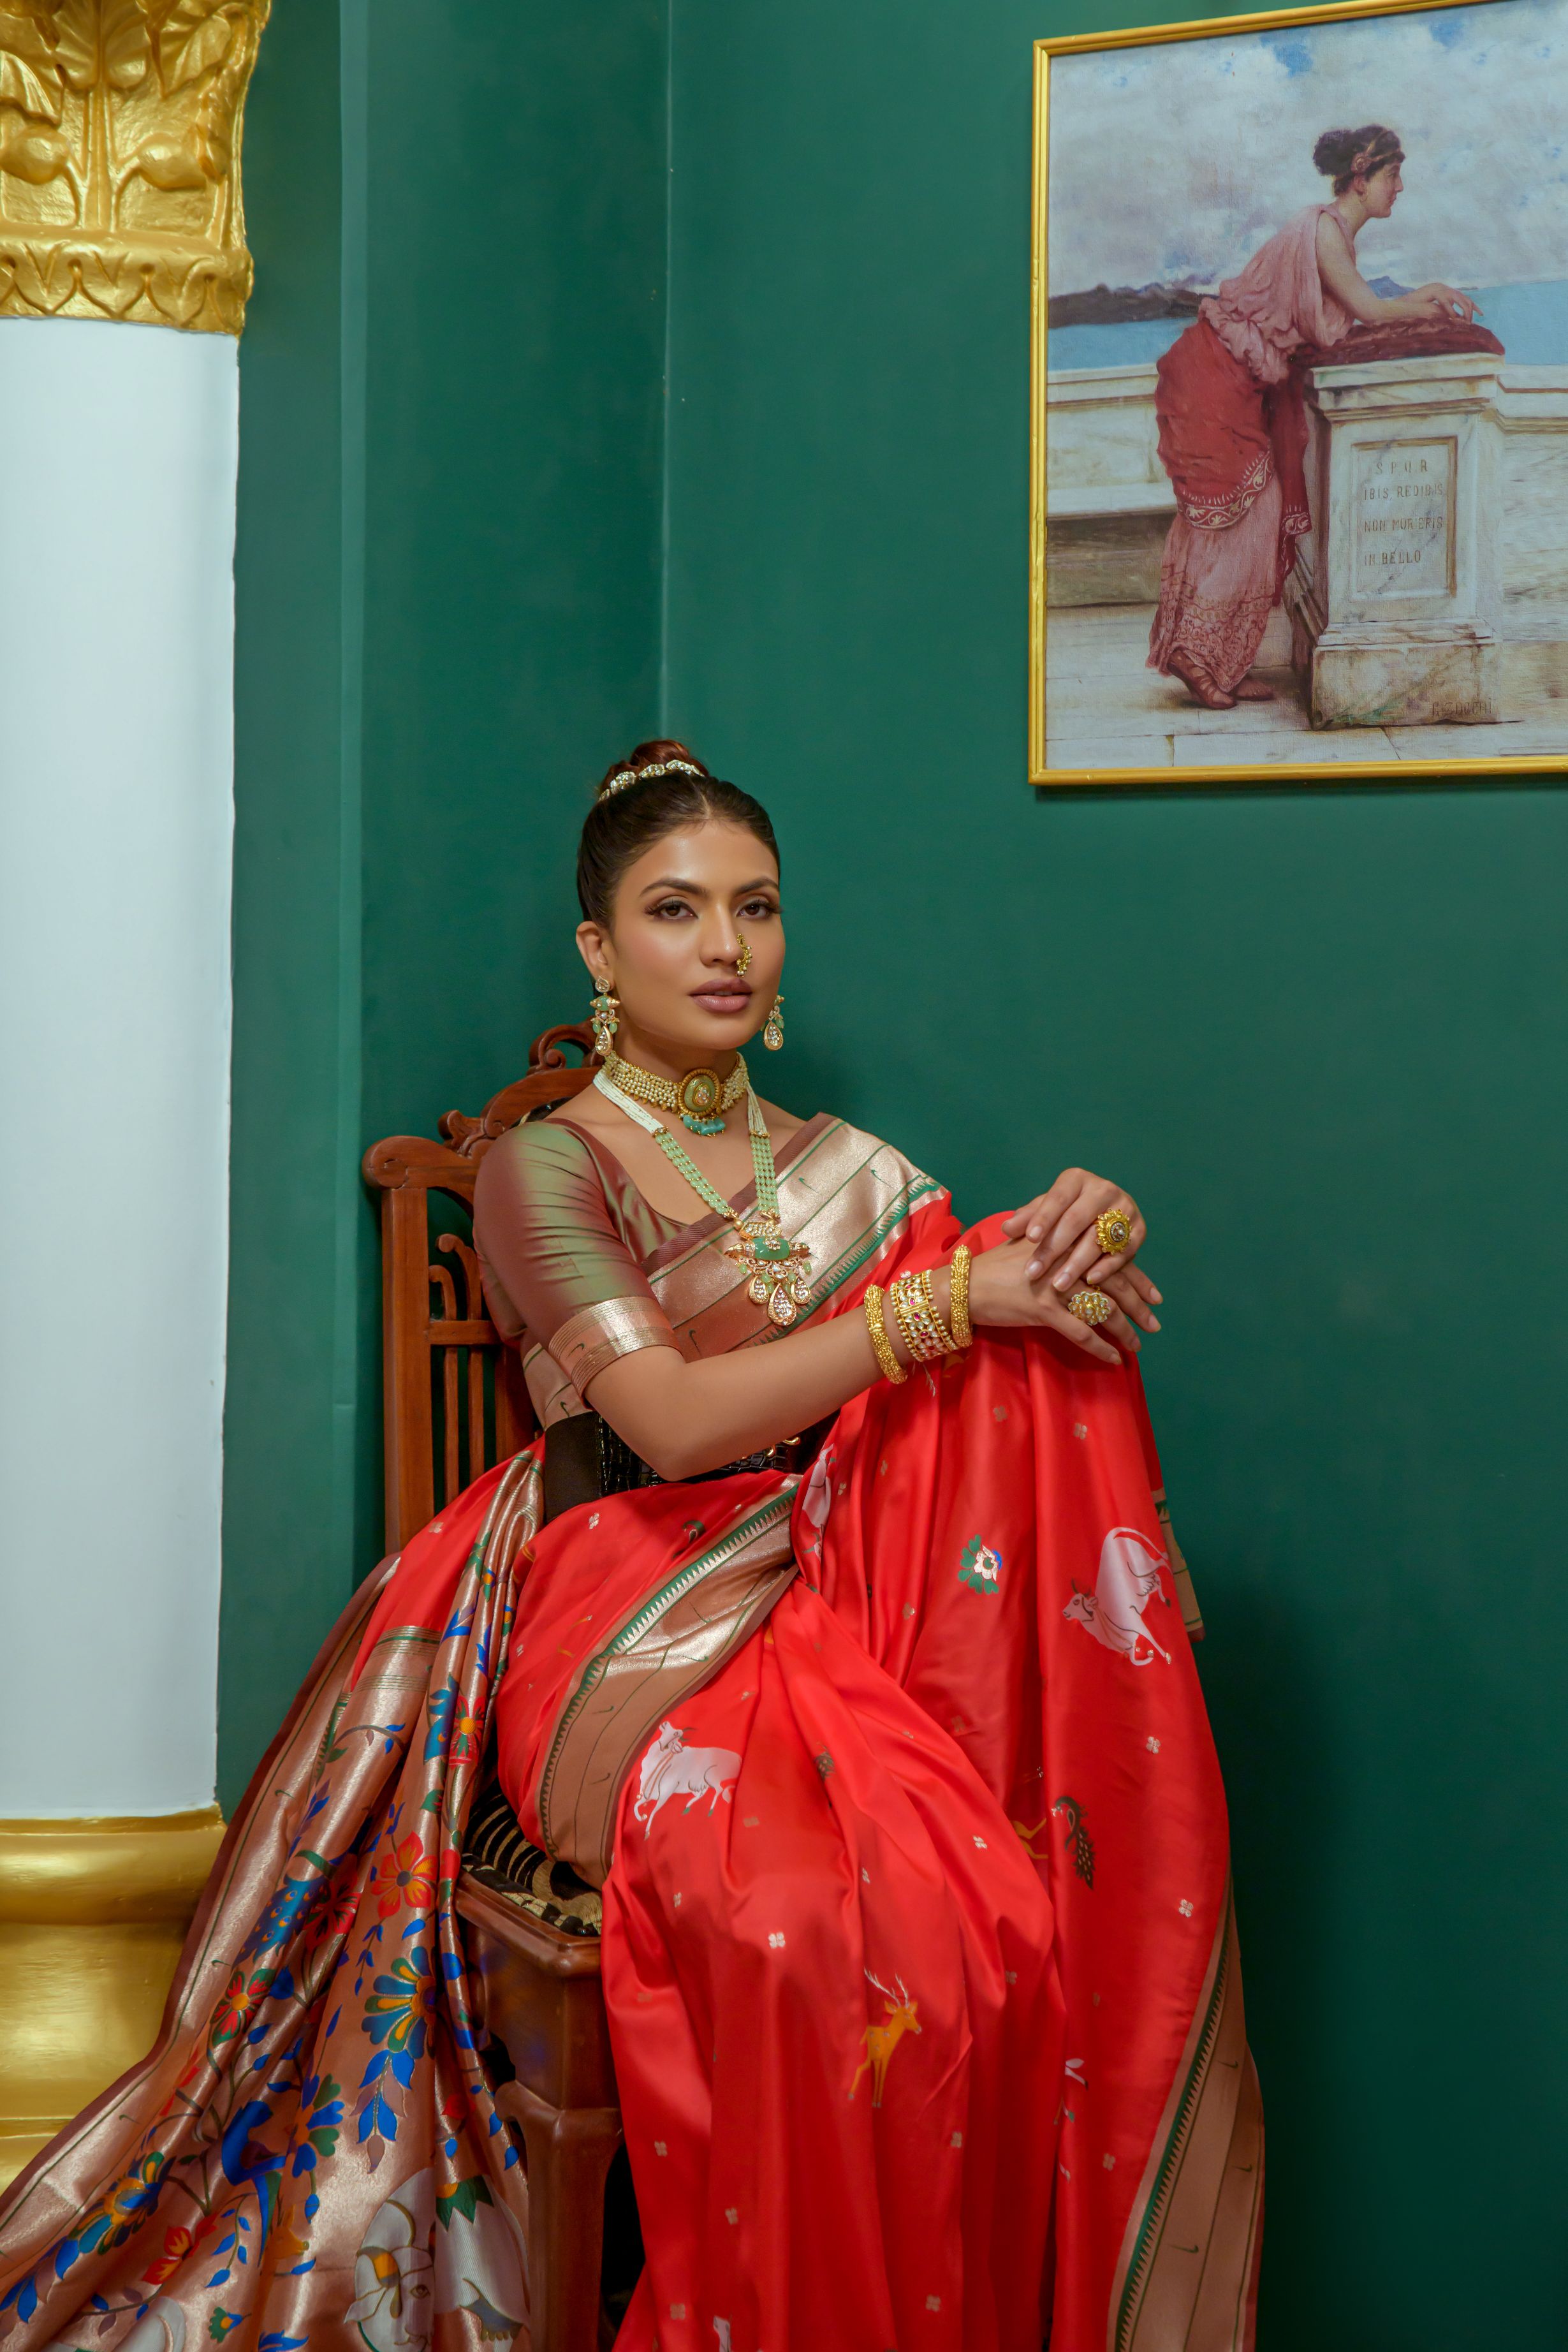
point(1232, 423)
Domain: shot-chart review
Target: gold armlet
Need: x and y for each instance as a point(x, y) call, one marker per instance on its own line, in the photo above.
point(881, 1345)
point(958, 1298)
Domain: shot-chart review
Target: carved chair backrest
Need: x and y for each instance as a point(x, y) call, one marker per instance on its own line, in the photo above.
point(454, 1396)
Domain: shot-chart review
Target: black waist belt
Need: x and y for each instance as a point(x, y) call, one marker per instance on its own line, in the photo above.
point(585, 1461)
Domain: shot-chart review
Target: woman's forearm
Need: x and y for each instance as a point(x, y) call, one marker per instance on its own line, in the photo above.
point(1374, 310)
point(683, 1418)
point(1405, 306)
point(1345, 281)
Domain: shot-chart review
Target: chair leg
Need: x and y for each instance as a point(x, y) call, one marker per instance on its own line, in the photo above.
point(570, 2151)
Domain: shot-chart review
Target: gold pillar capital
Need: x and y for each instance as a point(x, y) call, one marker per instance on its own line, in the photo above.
point(120, 159)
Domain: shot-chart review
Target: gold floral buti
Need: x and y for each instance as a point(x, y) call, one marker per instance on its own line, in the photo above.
point(120, 149)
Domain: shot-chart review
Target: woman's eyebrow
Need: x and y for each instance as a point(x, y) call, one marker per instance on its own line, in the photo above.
point(699, 890)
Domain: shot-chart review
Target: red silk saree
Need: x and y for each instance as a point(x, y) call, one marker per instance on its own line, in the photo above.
point(918, 1939)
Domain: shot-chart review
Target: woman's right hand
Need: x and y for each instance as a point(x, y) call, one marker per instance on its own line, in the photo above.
point(1001, 1294)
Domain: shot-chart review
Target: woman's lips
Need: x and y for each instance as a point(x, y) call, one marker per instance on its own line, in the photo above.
point(734, 996)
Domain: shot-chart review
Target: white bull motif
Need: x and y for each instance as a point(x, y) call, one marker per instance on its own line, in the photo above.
point(671, 1769)
point(1128, 1581)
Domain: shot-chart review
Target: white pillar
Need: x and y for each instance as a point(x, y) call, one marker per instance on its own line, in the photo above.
point(116, 817)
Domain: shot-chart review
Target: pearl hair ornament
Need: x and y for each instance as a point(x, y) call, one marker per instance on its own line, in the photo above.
point(626, 776)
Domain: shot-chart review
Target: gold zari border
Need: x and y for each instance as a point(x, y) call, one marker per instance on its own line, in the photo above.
point(592, 1338)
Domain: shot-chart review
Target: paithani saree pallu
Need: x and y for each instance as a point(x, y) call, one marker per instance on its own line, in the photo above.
point(918, 1946)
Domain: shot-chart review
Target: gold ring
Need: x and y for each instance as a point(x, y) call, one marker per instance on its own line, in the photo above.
point(1090, 1307)
point(1113, 1230)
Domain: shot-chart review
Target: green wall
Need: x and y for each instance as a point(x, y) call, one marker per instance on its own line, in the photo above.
point(448, 577)
point(1319, 1031)
point(515, 432)
point(293, 1378)
point(1309, 1026)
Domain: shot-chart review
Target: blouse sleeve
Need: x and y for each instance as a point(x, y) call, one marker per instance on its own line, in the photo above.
point(553, 1261)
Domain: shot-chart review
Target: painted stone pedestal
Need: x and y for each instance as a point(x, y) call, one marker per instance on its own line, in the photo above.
point(1394, 601)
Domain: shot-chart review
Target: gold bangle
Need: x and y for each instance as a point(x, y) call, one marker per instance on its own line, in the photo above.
point(924, 1334)
point(881, 1345)
point(958, 1298)
point(899, 1300)
point(941, 1337)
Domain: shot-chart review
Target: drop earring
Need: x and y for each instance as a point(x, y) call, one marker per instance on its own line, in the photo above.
point(605, 1011)
point(773, 1027)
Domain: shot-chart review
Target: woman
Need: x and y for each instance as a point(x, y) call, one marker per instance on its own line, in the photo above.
point(1232, 425)
point(885, 1744)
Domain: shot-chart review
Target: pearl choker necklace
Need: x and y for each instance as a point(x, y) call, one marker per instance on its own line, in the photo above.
point(699, 1097)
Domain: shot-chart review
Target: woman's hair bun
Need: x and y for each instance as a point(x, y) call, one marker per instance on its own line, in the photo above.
point(1341, 155)
point(1334, 151)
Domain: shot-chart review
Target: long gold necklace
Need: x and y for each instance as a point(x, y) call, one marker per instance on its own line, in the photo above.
point(700, 1097)
point(780, 1270)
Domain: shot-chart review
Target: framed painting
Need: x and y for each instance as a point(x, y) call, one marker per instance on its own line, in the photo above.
point(1299, 427)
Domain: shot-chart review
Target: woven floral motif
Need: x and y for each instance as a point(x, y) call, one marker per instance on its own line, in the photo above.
point(314, 2143)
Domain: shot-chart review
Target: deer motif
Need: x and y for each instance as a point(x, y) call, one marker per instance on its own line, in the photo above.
point(883, 2039)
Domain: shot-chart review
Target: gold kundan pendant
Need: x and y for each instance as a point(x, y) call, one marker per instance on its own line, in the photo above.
point(780, 1270)
point(698, 1098)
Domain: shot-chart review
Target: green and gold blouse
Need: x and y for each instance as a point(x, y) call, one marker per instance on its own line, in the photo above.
point(578, 1268)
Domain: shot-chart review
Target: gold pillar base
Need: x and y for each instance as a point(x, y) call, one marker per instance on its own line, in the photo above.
point(92, 1916)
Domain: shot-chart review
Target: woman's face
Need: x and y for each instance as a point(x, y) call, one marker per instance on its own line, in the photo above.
point(1380, 192)
point(682, 914)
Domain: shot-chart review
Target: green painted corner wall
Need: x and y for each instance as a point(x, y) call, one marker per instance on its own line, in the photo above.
point(288, 1412)
point(1319, 1031)
point(448, 576)
point(515, 456)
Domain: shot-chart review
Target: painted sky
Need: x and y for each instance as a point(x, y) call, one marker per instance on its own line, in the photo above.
point(1178, 159)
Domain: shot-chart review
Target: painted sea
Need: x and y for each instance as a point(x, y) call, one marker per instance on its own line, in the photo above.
point(1529, 322)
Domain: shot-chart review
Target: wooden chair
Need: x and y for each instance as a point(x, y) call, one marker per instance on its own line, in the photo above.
point(454, 1403)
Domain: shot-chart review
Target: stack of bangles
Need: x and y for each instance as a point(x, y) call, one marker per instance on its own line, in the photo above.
point(920, 1327)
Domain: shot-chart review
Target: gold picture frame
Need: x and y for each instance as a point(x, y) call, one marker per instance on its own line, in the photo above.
point(1398, 765)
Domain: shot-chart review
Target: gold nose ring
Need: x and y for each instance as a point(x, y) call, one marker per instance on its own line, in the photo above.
point(743, 960)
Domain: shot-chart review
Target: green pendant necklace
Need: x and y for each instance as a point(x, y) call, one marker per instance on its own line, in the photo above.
point(780, 1270)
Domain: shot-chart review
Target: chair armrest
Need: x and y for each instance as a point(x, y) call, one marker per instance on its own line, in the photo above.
point(522, 1933)
point(539, 1993)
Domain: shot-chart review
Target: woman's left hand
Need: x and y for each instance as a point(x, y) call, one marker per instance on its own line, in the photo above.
point(1445, 301)
point(1061, 1225)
